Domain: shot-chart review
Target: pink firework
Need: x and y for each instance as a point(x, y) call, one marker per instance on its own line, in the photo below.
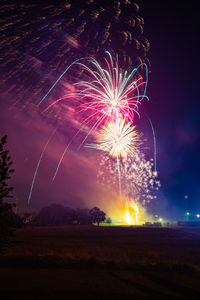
point(108, 93)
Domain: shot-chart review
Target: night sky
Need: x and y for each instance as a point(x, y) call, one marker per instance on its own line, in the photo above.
point(173, 89)
point(172, 29)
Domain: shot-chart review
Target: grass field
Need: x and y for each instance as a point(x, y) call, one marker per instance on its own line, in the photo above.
point(83, 262)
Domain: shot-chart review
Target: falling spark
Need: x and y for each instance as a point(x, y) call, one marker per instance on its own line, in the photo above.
point(38, 164)
point(137, 177)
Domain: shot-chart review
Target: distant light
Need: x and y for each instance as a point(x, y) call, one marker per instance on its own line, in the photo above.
point(186, 196)
point(155, 173)
point(160, 219)
point(187, 213)
point(198, 216)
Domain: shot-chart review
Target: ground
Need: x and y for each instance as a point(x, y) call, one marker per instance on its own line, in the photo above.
point(87, 262)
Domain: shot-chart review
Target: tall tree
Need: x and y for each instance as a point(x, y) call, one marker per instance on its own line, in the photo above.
point(97, 215)
point(6, 221)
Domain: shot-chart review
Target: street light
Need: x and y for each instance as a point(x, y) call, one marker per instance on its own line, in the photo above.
point(187, 215)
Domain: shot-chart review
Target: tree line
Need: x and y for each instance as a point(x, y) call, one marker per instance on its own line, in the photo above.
point(56, 214)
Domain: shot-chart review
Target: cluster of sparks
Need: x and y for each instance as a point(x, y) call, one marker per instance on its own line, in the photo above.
point(138, 179)
point(110, 92)
point(109, 99)
point(118, 138)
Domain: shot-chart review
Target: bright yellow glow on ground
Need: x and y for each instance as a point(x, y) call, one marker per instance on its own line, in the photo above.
point(127, 211)
point(131, 212)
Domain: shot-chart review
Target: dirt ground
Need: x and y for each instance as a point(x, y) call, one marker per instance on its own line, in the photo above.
point(80, 262)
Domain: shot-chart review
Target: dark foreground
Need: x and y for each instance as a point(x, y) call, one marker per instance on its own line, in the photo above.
point(102, 263)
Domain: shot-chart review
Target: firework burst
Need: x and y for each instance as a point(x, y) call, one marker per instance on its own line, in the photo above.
point(108, 93)
point(118, 139)
point(111, 92)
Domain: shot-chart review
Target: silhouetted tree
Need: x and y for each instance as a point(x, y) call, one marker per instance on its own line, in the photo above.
point(54, 214)
point(6, 221)
point(83, 217)
point(97, 215)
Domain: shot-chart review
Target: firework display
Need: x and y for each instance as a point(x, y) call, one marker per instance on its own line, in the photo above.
point(83, 65)
point(108, 98)
point(108, 95)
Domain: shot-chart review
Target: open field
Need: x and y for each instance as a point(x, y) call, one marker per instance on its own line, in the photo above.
point(105, 263)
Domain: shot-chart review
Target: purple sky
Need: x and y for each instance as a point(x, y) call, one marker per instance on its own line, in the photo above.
point(75, 183)
point(174, 110)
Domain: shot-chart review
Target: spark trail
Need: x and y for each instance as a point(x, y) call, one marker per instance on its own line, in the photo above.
point(38, 164)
